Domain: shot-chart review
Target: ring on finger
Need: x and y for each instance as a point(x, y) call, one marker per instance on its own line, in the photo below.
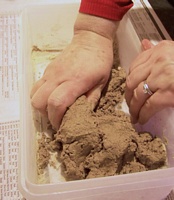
point(146, 89)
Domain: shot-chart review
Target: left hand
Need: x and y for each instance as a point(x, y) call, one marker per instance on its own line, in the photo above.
point(155, 65)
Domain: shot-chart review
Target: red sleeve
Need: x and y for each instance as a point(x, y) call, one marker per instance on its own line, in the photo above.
point(110, 9)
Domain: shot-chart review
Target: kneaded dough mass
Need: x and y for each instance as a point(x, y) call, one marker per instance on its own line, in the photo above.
point(102, 142)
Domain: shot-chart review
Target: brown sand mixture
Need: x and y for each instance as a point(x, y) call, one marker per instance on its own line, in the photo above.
point(101, 142)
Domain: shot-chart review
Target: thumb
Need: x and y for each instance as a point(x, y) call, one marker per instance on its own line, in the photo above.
point(146, 44)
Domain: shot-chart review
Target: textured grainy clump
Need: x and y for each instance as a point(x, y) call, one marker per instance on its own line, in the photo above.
point(102, 142)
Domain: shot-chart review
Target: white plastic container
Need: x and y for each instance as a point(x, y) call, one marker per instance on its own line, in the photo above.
point(38, 22)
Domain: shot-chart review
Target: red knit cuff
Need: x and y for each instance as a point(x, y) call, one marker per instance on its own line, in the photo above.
point(113, 11)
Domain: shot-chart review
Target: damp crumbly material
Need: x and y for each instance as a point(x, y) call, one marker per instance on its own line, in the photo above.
point(101, 142)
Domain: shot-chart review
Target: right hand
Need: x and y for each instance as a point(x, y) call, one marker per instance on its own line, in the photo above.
point(82, 68)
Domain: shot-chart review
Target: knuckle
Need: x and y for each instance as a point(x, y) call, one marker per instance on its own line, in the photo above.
point(163, 58)
point(56, 102)
point(135, 95)
point(35, 104)
point(165, 46)
point(129, 84)
point(167, 70)
point(148, 104)
point(163, 42)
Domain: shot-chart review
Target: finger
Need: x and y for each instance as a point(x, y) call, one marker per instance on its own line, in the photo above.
point(141, 59)
point(146, 44)
point(94, 95)
point(61, 98)
point(36, 86)
point(137, 101)
point(143, 56)
point(157, 102)
point(134, 79)
point(40, 97)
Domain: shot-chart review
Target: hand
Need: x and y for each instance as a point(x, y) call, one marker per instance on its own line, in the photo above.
point(82, 68)
point(155, 65)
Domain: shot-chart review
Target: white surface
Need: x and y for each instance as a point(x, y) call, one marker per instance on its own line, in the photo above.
point(9, 106)
point(151, 185)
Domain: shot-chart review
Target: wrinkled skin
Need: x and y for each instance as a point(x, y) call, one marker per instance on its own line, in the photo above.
point(155, 65)
point(82, 68)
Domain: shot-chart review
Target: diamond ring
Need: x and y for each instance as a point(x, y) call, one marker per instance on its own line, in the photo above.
point(146, 89)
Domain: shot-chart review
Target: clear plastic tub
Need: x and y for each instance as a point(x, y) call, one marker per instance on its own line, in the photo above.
point(38, 23)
